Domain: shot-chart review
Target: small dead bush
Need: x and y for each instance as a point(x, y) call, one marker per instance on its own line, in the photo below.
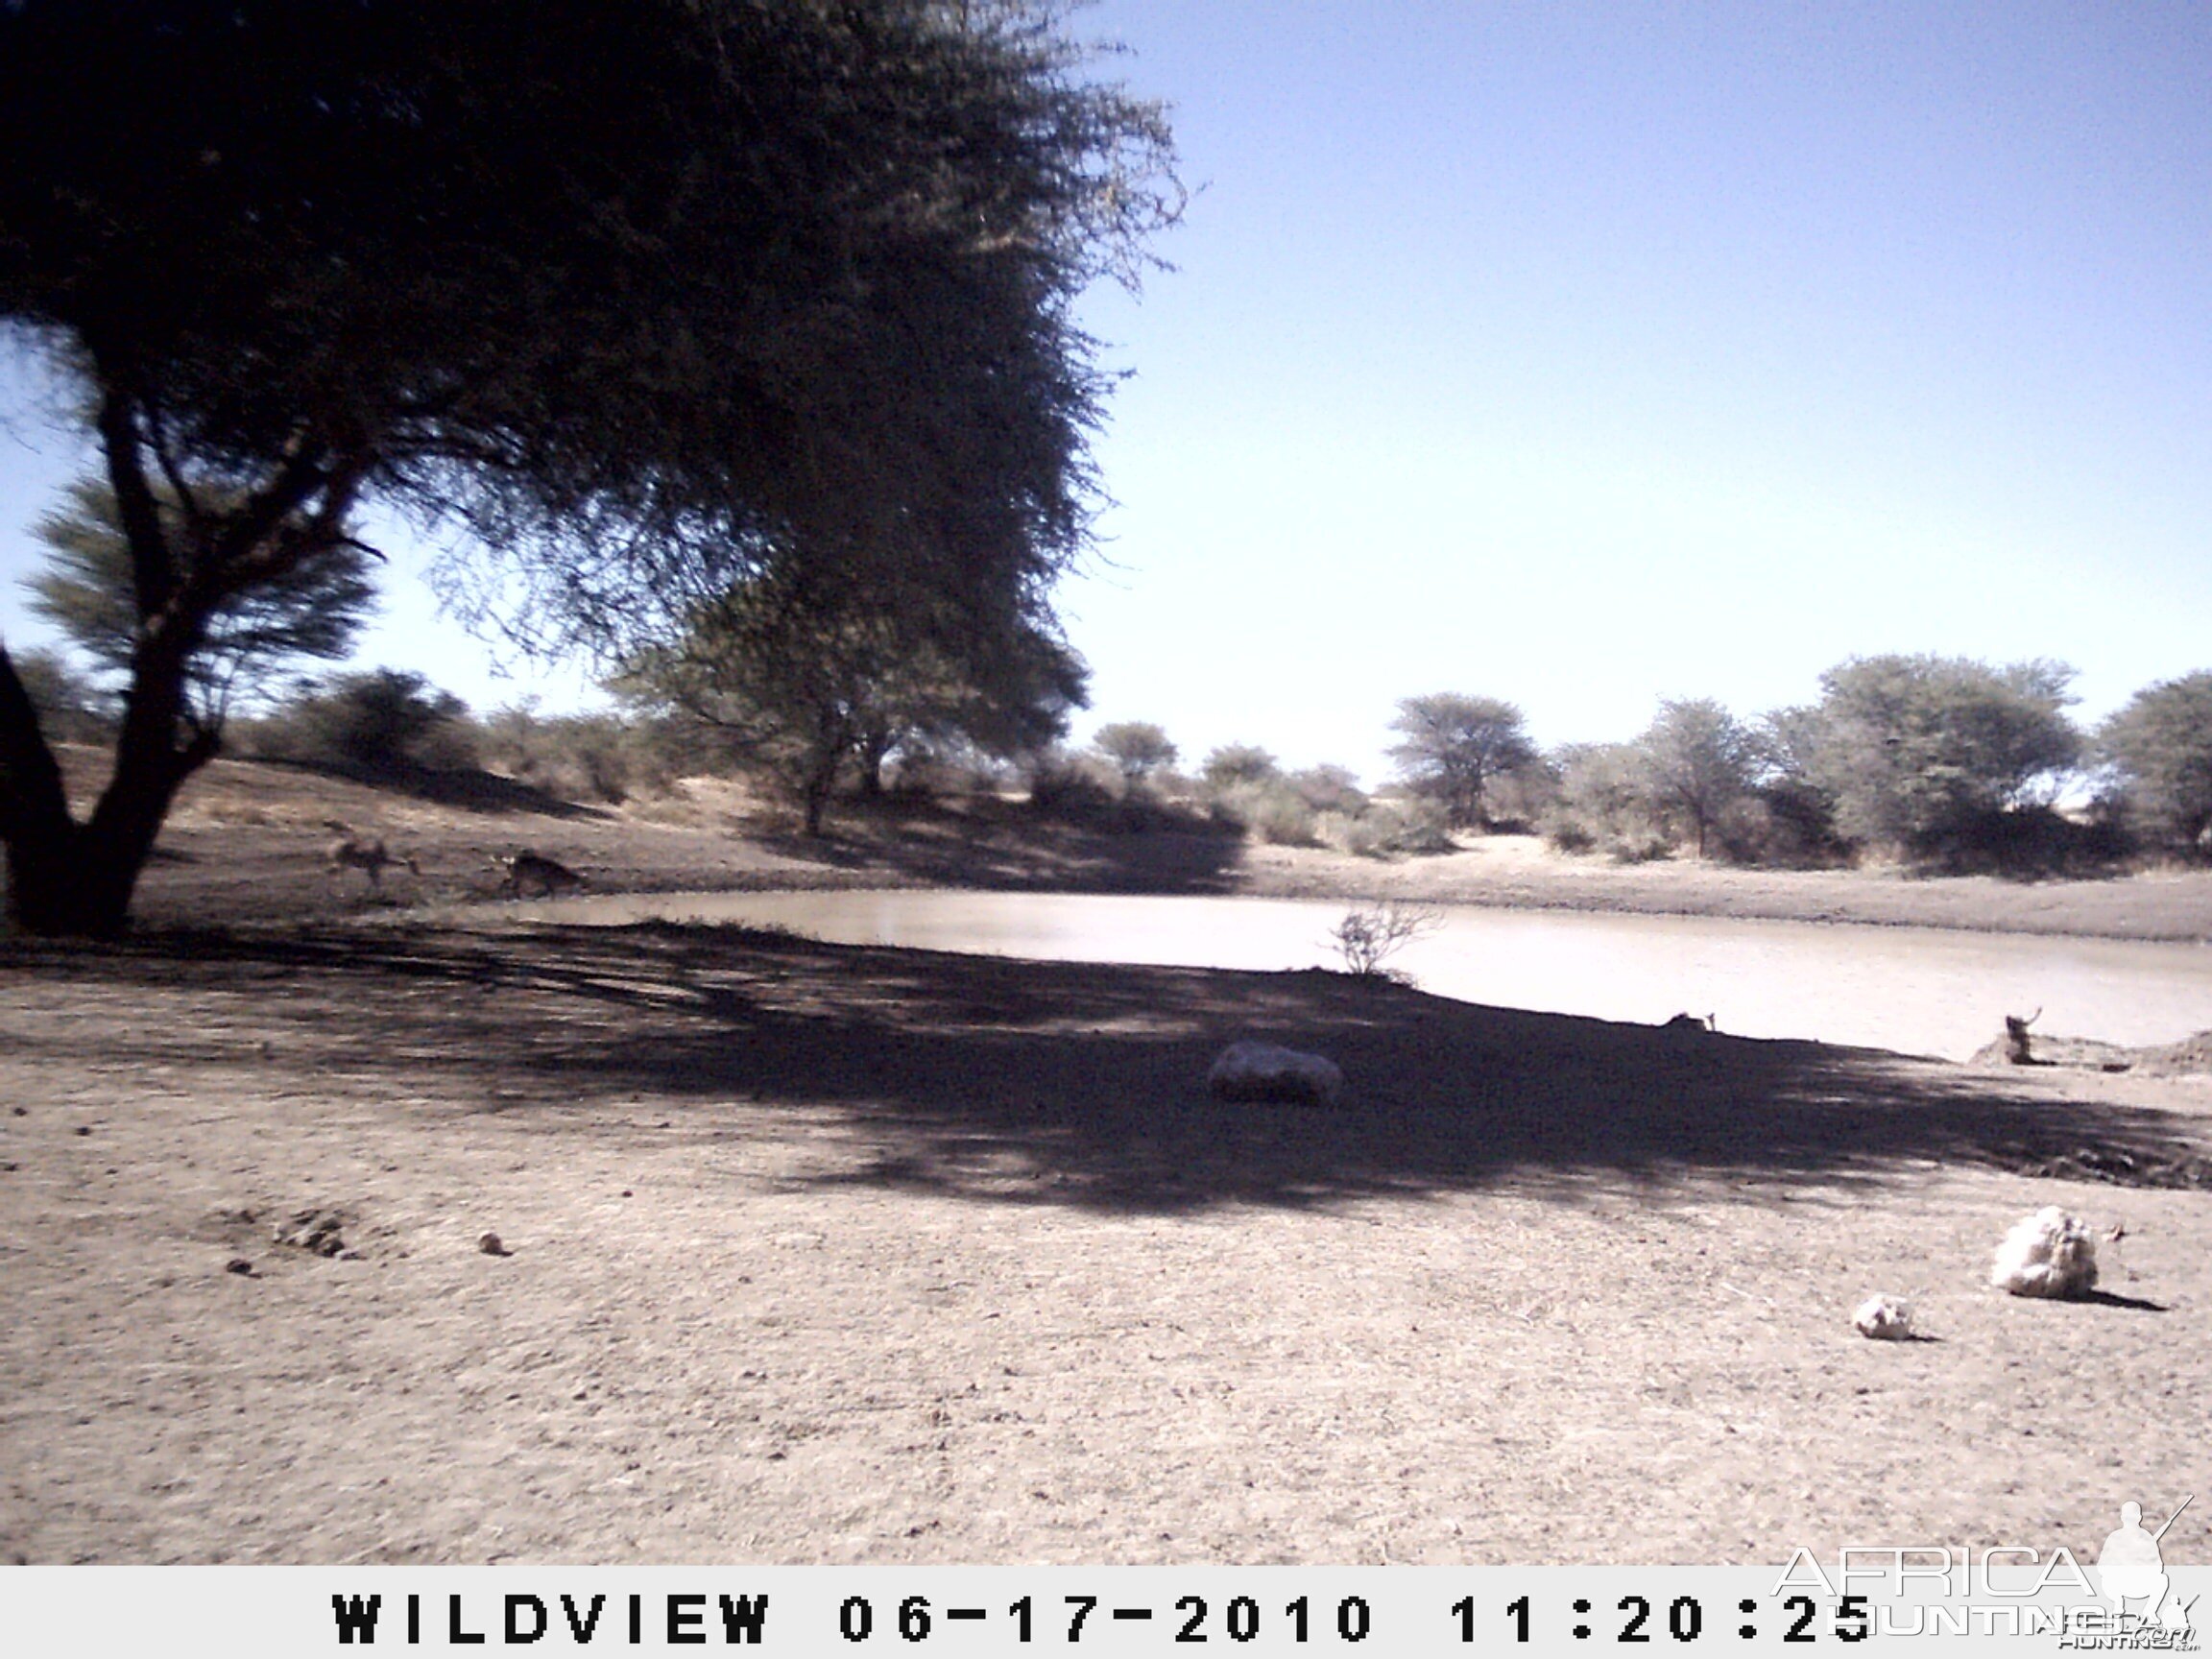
point(1369, 935)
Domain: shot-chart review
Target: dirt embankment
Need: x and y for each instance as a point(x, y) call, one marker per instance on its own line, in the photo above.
point(248, 841)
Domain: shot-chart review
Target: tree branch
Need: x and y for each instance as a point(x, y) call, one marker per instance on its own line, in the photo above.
point(153, 563)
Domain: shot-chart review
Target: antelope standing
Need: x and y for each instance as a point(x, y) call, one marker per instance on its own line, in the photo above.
point(532, 874)
point(366, 853)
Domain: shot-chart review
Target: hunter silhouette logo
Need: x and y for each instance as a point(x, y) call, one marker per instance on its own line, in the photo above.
point(2130, 1568)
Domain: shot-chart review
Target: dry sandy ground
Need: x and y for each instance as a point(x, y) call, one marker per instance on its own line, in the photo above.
point(829, 1255)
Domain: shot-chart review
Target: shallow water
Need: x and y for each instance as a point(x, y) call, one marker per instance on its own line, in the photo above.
point(1920, 990)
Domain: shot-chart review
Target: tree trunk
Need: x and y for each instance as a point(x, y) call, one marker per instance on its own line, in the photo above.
point(67, 880)
point(815, 797)
point(871, 774)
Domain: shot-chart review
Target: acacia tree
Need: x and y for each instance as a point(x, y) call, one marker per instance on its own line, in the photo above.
point(1453, 746)
point(633, 296)
point(1697, 761)
point(1005, 699)
point(1138, 748)
point(1231, 764)
point(799, 680)
point(1916, 750)
point(2162, 745)
point(314, 608)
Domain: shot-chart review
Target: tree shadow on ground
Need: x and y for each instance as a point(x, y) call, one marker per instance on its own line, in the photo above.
point(469, 788)
point(1006, 846)
point(1081, 1085)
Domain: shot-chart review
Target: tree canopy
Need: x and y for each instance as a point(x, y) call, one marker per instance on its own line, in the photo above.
point(314, 608)
point(1453, 746)
point(1232, 764)
point(811, 683)
point(1916, 750)
point(642, 297)
point(1138, 748)
point(1697, 759)
point(2162, 745)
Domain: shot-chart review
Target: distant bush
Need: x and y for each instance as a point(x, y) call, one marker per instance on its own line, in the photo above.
point(1696, 766)
point(1604, 804)
point(382, 721)
point(1236, 764)
point(1453, 747)
point(1517, 800)
point(599, 757)
point(2026, 842)
point(1137, 747)
point(1064, 785)
point(1273, 811)
point(1330, 788)
point(1401, 826)
point(71, 708)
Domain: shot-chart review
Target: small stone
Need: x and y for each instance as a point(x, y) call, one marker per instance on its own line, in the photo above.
point(1883, 1319)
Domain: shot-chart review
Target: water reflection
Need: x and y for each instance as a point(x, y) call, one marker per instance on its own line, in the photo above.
point(1920, 990)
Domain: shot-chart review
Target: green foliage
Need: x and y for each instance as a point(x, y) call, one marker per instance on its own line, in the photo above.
point(314, 605)
point(1330, 788)
point(1605, 803)
point(1383, 828)
point(1138, 748)
point(378, 723)
point(1697, 761)
point(71, 708)
point(586, 757)
point(1089, 790)
point(1075, 786)
point(815, 684)
point(2160, 744)
point(644, 298)
point(1453, 746)
point(1235, 763)
point(1268, 809)
point(1921, 754)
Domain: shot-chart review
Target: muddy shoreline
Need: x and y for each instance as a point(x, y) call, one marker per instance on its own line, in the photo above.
point(246, 844)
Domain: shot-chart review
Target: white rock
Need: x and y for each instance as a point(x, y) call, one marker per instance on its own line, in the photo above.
point(1884, 1318)
point(1263, 1072)
point(2046, 1253)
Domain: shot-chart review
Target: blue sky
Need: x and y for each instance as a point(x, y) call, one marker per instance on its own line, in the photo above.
point(1589, 355)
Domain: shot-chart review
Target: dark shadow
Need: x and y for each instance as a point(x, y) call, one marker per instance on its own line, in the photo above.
point(1030, 1082)
point(2030, 844)
point(468, 789)
point(1006, 846)
point(2113, 1299)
